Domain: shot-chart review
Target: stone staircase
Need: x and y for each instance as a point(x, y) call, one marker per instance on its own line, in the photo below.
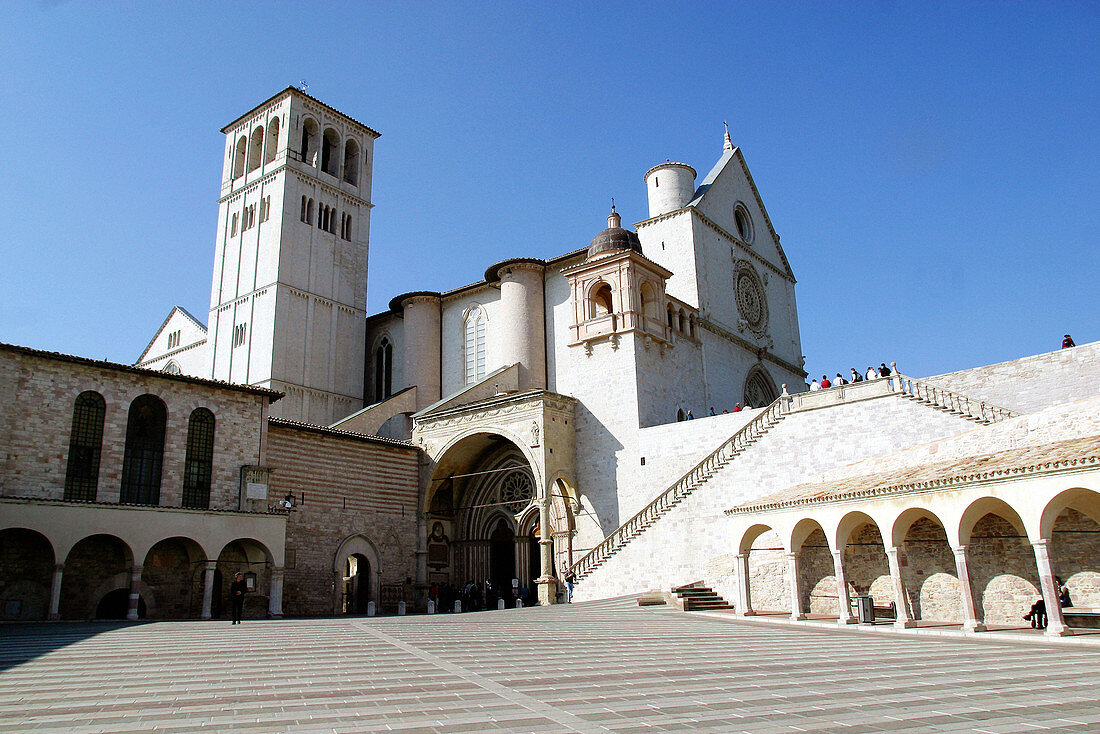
point(749, 434)
point(696, 597)
point(947, 401)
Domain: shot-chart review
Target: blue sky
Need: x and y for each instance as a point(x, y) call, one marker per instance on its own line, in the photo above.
point(931, 167)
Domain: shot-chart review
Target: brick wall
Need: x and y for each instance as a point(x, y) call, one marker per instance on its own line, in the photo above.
point(351, 486)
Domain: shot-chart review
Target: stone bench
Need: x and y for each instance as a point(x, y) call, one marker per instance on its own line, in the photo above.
point(1081, 617)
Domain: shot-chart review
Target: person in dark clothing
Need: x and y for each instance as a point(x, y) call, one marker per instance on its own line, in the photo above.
point(1067, 342)
point(236, 595)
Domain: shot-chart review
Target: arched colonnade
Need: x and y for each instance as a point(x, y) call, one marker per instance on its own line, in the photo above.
point(73, 561)
point(976, 556)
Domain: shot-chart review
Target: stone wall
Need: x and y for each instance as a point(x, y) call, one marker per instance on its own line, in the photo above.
point(38, 410)
point(347, 486)
point(800, 447)
point(1031, 383)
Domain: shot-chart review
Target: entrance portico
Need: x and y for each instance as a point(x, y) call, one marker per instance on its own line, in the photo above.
point(498, 492)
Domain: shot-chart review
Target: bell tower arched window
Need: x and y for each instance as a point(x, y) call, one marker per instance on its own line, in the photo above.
point(85, 447)
point(330, 152)
point(199, 463)
point(240, 154)
point(601, 302)
point(351, 162)
point(474, 346)
point(256, 148)
point(144, 456)
point(272, 146)
point(309, 143)
point(383, 370)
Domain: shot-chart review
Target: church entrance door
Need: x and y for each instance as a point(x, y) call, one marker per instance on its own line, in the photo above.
point(502, 558)
point(356, 584)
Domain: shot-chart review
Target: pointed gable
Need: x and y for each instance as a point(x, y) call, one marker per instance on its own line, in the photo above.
point(729, 187)
point(179, 330)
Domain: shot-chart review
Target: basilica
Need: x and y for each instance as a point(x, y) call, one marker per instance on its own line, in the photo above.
point(554, 419)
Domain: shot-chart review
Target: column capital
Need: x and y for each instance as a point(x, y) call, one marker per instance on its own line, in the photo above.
point(1040, 543)
point(211, 565)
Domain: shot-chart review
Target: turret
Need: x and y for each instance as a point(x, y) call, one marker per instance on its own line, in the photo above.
point(670, 185)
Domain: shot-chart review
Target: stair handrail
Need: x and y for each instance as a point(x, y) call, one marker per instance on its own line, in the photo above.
point(622, 535)
point(950, 400)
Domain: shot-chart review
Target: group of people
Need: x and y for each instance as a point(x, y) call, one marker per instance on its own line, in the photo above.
point(1038, 613)
point(474, 596)
point(872, 373)
point(689, 416)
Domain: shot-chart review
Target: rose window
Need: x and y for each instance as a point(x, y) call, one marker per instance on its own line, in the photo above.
point(517, 491)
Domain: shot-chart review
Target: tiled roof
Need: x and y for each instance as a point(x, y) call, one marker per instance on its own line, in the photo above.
point(1075, 453)
point(338, 433)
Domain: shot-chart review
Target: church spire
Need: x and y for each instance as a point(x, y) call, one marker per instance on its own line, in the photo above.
point(727, 144)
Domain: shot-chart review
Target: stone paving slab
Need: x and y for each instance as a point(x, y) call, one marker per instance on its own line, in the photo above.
point(594, 667)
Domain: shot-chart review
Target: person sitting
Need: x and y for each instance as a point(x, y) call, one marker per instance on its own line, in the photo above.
point(825, 384)
point(737, 408)
point(872, 373)
point(814, 386)
point(1067, 342)
point(1037, 615)
point(883, 370)
point(839, 380)
point(856, 377)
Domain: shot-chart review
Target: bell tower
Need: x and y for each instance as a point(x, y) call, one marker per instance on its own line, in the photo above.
point(289, 291)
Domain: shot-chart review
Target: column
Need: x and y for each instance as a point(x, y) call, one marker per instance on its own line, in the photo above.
point(55, 592)
point(796, 598)
point(744, 593)
point(275, 596)
point(970, 612)
point(1056, 624)
point(548, 587)
point(421, 588)
point(901, 597)
point(843, 598)
point(208, 589)
point(135, 595)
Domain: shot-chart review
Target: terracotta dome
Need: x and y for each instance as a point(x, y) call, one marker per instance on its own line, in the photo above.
point(614, 238)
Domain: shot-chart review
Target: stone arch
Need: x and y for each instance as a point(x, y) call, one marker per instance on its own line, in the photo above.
point(929, 573)
point(249, 556)
point(1071, 524)
point(817, 587)
point(330, 152)
point(310, 141)
point(240, 156)
point(355, 545)
point(758, 390)
point(95, 566)
point(256, 148)
point(26, 574)
point(867, 567)
point(351, 162)
point(271, 147)
point(1001, 561)
point(767, 578)
point(173, 572)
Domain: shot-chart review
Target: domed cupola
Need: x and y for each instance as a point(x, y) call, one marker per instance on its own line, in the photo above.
point(614, 238)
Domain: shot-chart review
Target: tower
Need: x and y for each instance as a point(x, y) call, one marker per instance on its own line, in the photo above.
point(289, 291)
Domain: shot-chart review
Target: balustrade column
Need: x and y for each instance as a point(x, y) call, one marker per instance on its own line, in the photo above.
point(843, 598)
point(966, 590)
point(1056, 623)
point(275, 595)
point(796, 597)
point(904, 612)
point(208, 589)
point(135, 592)
point(55, 592)
point(744, 594)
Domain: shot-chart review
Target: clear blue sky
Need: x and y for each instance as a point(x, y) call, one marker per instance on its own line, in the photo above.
point(932, 168)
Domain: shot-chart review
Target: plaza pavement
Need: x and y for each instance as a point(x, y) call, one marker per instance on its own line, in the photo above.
point(595, 667)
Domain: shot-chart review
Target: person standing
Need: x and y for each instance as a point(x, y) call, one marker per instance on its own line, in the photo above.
point(237, 590)
point(570, 579)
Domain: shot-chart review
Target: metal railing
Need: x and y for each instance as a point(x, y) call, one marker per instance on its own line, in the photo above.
point(684, 486)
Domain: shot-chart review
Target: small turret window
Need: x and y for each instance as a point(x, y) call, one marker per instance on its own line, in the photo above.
point(744, 223)
point(601, 302)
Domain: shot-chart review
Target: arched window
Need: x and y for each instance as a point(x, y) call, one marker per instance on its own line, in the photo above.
point(383, 370)
point(474, 346)
point(601, 302)
point(681, 322)
point(199, 462)
point(330, 152)
point(303, 207)
point(144, 456)
point(239, 156)
point(309, 143)
point(272, 140)
point(670, 321)
point(85, 446)
point(691, 326)
point(309, 212)
point(256, 148)
point(649, 301)
point(172, 368)
point(351, 162)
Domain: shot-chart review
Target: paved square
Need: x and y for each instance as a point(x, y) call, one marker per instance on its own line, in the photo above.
point(597, 667)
